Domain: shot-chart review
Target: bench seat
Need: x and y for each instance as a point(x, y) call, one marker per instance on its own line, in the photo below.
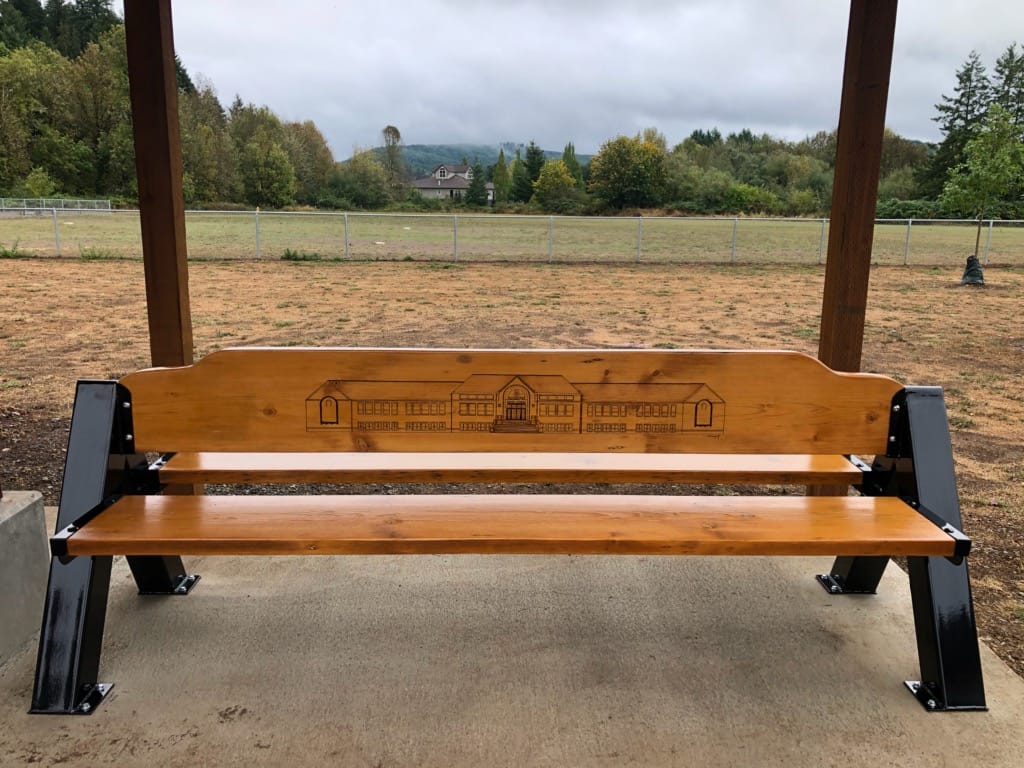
point(523, 467)
point(509, 524)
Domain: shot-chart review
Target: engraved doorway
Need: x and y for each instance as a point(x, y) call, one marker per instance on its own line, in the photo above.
point(517, 406)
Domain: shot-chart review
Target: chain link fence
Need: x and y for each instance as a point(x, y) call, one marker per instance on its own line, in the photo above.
point(320, 236)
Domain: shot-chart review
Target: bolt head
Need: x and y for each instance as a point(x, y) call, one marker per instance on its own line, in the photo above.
point(931, 704)
point(86, 707)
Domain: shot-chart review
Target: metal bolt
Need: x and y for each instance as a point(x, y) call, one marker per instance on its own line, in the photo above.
point(126, 404)
point(916, 687)
point(931, 704)
point(86, 707)
point(72, 528)
point(129, 437)
point(180, 590)
point(834, 589)
point(895, 409)
point(892, 438)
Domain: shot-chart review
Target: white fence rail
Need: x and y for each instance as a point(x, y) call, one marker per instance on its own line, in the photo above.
point(322, 236)
point(36, 204)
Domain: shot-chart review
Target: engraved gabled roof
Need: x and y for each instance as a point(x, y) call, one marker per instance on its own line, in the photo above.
point(492, 383)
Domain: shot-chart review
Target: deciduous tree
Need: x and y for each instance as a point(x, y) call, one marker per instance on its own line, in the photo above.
point(629, 172)
point(992, 166)
point(555, 187)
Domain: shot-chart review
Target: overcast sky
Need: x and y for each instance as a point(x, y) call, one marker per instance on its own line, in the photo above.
point(447, 71)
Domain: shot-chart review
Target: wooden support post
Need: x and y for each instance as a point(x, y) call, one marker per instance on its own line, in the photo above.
point(154, 99)
point(869, 46)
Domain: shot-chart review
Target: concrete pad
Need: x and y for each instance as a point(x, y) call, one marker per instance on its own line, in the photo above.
point(512, 661)
point(24, 568)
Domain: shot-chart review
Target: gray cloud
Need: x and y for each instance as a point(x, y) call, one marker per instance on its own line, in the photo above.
point(468, 71)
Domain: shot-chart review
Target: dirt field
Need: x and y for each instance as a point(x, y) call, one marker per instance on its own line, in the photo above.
point(61, 320)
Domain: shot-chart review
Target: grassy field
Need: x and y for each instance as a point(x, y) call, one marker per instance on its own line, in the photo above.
point(320, 236)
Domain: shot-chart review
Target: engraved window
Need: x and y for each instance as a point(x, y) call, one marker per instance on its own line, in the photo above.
point(426, 408)
point(377, 408)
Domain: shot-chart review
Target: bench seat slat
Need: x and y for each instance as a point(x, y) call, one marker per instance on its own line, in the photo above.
point(508, 467)
point(509, 524)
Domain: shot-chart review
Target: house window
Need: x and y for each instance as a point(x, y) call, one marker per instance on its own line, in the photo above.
point(442, 172)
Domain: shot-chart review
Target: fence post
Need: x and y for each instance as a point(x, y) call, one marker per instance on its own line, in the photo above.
point(639, 237)
point(906, 247)
point(56, 232)
point(988, 240)
point(455, 236)
point(346, 236)
point(821, 242)
point(551, 238)
point(257, 232)
point(732, 252)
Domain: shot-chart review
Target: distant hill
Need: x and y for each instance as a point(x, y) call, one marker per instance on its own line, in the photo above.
point(423, 158)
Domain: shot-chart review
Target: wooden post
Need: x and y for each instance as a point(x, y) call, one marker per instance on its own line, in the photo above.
point(154, 100)
point(869, 45)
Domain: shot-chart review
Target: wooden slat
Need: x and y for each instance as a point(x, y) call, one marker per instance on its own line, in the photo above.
point(512, 524)
point(507, 467)
point(280, 400)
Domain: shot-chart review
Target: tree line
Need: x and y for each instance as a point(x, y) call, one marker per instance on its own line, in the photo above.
point(65, 130)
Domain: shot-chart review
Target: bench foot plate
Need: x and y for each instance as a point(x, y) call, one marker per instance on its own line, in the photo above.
point(92, 698)
point(182, 587)
point(933, 703)
point(834, 586)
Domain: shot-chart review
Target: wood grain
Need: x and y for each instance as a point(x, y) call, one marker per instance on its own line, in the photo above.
point(507, 467)
point(509, 524)
point(258, 400)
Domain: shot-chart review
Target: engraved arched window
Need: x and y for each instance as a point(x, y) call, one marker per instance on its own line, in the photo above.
point(703, 414)
point(328, 410)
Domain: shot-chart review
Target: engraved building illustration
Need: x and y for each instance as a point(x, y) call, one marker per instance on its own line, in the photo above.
point(513, 403)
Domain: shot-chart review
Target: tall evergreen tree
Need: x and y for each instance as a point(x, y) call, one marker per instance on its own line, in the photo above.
point(959, 117)
point(476, 194)
point(572, 164)
point(534, 161)
point(1008, 84)
point(522, 185)
point(502, 180)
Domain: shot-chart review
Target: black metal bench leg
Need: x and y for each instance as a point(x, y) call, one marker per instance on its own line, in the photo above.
point(71, 638)
point(947, 639)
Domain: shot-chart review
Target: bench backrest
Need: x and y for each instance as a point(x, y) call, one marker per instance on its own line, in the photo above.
point(644, 401)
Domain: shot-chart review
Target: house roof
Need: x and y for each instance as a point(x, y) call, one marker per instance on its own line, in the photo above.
point(453, 168)
point(452, 182)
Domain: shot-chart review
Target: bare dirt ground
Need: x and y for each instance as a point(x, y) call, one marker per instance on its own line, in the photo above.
point(61, 320)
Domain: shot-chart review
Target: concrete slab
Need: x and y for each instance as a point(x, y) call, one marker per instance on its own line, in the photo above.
point(511, 661)
point(24, 567)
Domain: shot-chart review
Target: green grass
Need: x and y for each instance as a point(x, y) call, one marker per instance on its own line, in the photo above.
point(429, 238)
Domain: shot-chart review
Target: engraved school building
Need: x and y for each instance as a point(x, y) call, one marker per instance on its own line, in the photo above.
point(513, 403)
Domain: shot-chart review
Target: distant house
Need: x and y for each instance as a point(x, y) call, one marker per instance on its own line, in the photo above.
point(449, 181)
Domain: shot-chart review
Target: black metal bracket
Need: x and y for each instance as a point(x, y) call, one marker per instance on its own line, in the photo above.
point(182, 585)
point(930, 699)
point(835, 584)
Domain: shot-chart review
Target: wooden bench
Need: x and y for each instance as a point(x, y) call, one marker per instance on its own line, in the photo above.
point(334, 416)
